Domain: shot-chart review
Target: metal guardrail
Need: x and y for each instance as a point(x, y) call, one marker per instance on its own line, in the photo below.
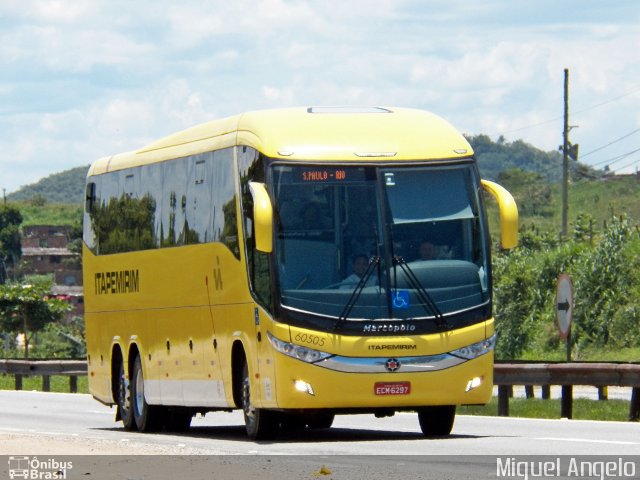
point(506, 376)
point(45, 368)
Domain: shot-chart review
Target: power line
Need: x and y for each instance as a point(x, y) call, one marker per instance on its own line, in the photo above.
point(610, 143)
point(554, 119)
point(615, 159)
point(548, 170)
point(586, 109)
point(530, 126)
point(635, 162)
point(609, 161)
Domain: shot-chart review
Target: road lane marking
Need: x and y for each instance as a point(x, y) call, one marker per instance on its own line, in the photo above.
point(587, 440)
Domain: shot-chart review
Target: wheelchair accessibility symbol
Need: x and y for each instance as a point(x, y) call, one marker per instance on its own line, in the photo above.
point(400, 299)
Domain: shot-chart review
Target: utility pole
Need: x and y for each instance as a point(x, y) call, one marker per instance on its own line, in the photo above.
point(568, 151)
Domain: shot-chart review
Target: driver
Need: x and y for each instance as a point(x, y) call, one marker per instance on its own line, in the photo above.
point(360, 264)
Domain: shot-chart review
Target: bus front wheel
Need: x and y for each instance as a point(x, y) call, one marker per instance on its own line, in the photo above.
point(322, 420)
point(437, 421)
point(261, 424)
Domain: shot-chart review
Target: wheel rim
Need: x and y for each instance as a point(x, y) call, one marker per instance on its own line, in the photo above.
point(247, 407)
point(139, 393)
point(125, 397)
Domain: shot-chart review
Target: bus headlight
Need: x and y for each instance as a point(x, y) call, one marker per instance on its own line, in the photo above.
point(298, 352)
point(302, 386)
point(477, 349)
point(475, 382)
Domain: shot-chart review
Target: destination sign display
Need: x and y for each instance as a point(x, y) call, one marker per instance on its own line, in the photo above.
point(323, 175)
point(329, 175)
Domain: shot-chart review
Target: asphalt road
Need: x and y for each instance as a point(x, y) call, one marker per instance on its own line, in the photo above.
point(38, 422)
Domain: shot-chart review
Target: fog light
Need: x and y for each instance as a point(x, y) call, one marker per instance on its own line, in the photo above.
point(303, 386)
point(473, 383)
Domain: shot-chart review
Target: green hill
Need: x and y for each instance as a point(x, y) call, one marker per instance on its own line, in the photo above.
point(540, 204)
point(65, 188)
point(496, 157)
point(532, 175)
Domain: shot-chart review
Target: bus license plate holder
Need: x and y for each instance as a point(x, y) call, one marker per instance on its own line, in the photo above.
point(392, 388)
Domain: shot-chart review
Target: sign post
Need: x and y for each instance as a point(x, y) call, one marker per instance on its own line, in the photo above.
point(564, 309)
point(564, 314)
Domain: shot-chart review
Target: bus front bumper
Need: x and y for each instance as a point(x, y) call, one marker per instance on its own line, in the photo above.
point(394, 382)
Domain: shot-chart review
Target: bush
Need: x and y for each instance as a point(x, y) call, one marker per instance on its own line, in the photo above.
point(604, 269)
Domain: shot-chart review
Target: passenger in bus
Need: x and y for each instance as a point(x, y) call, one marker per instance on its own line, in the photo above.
point(311, 217)
point(360, 264)
point(431, 251)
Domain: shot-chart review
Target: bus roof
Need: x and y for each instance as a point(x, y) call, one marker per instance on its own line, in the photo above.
point(314, 133)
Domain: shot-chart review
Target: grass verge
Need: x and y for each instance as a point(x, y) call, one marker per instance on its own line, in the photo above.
point(58, 383)
point(583, 409)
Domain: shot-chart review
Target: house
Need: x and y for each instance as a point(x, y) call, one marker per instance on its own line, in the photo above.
point(45, 252)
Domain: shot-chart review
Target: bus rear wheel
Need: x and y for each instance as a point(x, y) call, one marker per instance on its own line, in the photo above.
point(147, 417)
point(437, 421)
point(124, 400)
point(260, 424)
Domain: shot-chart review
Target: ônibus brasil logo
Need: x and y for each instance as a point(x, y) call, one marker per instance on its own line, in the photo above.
point(36, 469)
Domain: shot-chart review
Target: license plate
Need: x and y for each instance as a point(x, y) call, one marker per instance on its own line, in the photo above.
point(392, 388)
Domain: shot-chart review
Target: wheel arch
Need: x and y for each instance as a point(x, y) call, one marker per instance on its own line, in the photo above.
point(238, 359)
point(116, 359)
point(134, 352)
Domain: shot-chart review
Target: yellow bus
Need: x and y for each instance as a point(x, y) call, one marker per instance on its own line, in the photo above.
point(296, 264)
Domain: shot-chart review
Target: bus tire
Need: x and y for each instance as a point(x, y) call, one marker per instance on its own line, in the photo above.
point(290, 422)
point(260, 424)
point(321, 420)
point(437, 421)
point(147, 417)
point(125, 410)
point(178, 420)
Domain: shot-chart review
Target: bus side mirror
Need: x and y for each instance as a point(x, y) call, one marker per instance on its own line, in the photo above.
point(508, 213)
point(262, 217)
point(90, 198)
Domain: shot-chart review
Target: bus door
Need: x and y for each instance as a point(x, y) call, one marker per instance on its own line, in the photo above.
point(265, 373)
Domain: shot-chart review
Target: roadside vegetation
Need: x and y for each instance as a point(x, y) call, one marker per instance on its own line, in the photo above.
point(583, 409)
point(604, 265)
point(58, 383)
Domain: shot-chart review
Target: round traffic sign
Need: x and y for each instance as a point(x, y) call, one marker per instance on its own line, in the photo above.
point(564, 304)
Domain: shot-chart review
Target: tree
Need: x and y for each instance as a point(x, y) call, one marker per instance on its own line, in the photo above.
point(27, 309)
point(10, 244)
point(531, 192)
point(38, 200)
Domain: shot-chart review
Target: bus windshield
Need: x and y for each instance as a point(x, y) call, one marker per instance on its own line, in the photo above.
point(363, 243)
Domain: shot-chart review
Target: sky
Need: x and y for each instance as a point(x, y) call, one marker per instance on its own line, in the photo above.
point(82, 79)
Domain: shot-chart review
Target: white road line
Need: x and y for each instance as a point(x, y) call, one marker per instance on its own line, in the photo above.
point(586, 440)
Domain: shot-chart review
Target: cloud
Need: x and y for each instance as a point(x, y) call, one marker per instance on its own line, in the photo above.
point(51, 48)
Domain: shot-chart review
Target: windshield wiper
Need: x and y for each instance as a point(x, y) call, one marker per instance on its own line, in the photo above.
point(422, 293)
point(373, 263)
